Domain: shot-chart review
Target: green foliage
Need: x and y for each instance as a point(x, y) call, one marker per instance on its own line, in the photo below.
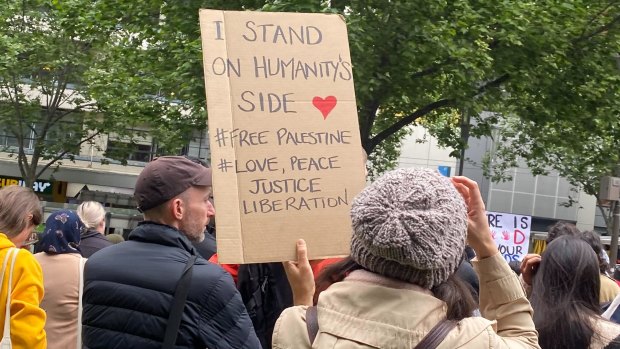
point(42, 60)
point(563, 111)
point(543, 66)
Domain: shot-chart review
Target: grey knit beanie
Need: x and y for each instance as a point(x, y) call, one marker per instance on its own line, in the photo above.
point(410, 224)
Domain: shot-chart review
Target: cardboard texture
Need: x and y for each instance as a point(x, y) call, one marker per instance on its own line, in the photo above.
point(285, 146)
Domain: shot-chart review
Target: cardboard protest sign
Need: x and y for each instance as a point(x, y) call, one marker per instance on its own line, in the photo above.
point(511, 233)
point(284, 135)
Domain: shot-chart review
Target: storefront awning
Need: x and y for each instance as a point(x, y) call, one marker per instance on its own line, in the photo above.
point(73, 189)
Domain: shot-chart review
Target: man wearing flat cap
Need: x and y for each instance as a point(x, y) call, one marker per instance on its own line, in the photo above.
point(154, 288)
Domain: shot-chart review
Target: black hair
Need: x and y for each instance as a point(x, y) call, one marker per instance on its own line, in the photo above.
point(561, 228)
point(592, 239)
point(453, 291)
point(565, 294)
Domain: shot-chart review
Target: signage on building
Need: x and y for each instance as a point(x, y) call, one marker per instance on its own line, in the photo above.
point(39, 186)
point(511, 233)
point(444, 170)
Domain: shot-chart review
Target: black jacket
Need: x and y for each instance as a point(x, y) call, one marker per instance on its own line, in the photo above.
point(91, 242)
point(129, 288)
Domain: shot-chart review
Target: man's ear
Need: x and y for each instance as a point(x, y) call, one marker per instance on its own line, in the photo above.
point(177, 208)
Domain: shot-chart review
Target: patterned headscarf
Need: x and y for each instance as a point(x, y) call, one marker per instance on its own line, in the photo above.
point(62, 232)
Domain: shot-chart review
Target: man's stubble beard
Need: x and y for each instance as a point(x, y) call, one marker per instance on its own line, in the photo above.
point(193, 231)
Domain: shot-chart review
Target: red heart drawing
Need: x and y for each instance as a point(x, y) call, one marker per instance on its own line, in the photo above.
point(325, 106)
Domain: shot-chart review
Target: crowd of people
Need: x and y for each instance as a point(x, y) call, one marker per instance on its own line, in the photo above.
point(423, 272)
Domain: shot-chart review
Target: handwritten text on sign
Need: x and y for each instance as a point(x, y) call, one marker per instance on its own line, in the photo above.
point(511, 234)
point(284, 134)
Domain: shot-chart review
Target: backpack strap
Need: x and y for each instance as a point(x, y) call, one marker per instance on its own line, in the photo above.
point(6, 335)
point(178, 305)
point(431, 341)
point(436, 335)
point(312, 323)
point(80, 294)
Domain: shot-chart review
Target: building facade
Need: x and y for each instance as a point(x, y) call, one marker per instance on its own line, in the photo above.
point(88, 178)
point(544, 197)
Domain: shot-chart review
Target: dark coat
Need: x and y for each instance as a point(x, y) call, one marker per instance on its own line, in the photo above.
point(129, 289)
point(91, 242)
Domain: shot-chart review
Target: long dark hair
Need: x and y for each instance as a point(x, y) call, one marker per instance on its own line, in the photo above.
point(592, 239)
point(565, 294)
point(453, 291)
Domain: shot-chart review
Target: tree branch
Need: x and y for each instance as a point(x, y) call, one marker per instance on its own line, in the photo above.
point(585, 27)
point(65, 152)
point(492, 84)
point(74, 110)
point(60, 91)
point(432, 69)
point(381, 136)
point(602, 29)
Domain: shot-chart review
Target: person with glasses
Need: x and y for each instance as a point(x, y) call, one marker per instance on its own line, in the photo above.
point(20, 213)
point(62, 265)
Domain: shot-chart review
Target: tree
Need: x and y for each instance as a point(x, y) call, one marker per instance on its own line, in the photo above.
point(567, 117)
point(412, 60)
point(429, 59)
point(62, 85)
point(38, 108)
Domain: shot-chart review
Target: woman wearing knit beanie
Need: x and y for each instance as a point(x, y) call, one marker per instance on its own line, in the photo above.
point(398, 289)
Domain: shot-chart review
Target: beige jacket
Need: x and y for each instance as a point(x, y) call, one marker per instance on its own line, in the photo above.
point(60, 279)
point(359, 313)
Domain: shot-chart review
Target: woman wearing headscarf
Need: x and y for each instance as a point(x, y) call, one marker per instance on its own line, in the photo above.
point(20, 213)
point(62, 265)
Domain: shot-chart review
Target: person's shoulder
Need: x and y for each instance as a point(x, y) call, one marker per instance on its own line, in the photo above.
point(290, 330)
point(472, 330)
point(295, 313)
point(208, 270)
point(25, 262)
point(608, 333)
point(101, 238)
point(609, 282)
point(40, 256)
point(25, 257)
point(114, 252)
point(475, 323)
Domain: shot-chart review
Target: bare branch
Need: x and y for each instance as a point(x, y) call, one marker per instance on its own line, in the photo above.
point(432, 69)
point(606, 27)
point(74, 110)
point(65, 152)
point(597, 15)
point(407, 120)
point(492, 84)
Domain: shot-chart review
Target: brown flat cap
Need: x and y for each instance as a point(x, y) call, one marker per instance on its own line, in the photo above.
point(166, 177)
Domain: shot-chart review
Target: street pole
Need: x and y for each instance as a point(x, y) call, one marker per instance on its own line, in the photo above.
point(615, 227)
point(616, 214)
point(465, 120)
point(614, 236)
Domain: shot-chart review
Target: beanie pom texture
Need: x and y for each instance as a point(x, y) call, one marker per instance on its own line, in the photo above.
point(410, 224)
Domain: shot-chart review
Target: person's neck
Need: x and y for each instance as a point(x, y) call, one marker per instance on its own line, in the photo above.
point(163, 221)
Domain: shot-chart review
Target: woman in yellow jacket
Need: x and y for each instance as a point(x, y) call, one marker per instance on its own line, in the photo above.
point(20, 213)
